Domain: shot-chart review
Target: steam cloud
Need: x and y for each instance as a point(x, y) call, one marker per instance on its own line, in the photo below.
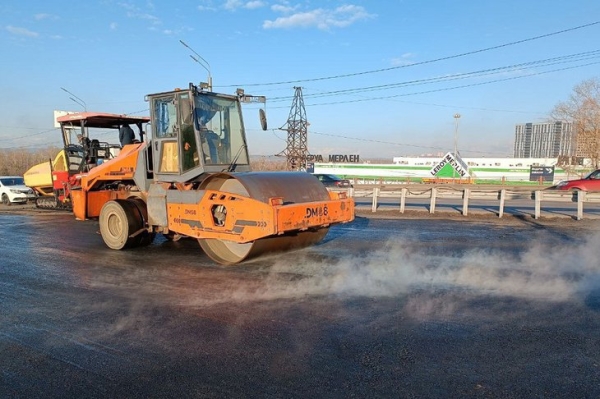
point(544, 272)
point(430, 286)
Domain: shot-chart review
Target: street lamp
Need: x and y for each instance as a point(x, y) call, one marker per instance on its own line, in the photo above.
point(78, 101)
point(206, 67)
point(456, 118)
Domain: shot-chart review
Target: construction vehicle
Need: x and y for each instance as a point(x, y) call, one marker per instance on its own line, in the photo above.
point(81, 132)
point(192, 178)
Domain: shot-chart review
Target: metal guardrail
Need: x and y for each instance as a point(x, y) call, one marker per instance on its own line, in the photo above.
point(467, 194)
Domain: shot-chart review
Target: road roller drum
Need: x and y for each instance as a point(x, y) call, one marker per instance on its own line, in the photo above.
point(292, 187)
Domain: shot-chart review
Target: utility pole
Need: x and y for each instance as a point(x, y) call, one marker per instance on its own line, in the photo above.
point(296, 151)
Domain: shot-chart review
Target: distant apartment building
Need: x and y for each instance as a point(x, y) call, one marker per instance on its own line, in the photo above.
point(544, 140)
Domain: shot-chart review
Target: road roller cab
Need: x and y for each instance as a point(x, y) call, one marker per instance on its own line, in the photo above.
point(195, 132)
point(192, 178)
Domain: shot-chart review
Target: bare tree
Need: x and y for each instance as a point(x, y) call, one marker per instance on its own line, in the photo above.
point(267, 164)
point(583, 110)
point(15, 162)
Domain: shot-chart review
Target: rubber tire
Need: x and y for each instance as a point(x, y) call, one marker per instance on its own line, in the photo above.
point(5, 200)
point(118, 220)
point(146, 238)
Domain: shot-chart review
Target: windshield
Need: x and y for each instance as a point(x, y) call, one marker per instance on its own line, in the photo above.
point(12, 181)
point(593, 175)
point(195, 129)
point(70, 133)
point(219, 121)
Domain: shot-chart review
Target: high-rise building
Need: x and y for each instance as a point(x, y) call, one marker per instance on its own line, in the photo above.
point(544, 140)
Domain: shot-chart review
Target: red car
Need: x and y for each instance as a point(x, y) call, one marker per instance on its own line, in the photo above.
point(591, 182)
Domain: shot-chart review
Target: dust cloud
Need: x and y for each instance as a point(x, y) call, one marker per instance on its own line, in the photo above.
point(427, 285)
point(545, 272)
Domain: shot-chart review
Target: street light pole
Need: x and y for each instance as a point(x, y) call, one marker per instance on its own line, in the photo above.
point(456, 118)
point(78, 101)
point(206, 67)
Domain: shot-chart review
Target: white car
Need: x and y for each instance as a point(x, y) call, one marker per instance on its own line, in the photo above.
point(13, 190)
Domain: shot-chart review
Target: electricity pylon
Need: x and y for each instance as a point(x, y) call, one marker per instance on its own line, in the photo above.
point(296, 151)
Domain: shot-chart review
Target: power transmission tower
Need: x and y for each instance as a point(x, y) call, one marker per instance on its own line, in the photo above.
point(296, 151)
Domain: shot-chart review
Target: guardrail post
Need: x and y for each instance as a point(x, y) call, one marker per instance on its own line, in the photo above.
point(404, 194)
point(375, 195)
point(580, 199)
point(403, 199)
point(538, 204)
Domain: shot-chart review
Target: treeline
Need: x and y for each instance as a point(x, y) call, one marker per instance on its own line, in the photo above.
point(267, 164)
point(15, 162)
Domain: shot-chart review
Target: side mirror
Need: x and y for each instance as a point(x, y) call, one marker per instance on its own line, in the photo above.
point(263, 118)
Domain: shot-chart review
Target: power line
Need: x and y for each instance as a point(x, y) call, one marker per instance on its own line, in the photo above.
point(419, 63)
point(484, 72)
point(30, 135)
point(448, 88)
point(480, 73)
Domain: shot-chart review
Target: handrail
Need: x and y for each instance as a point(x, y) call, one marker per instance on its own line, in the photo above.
point(493, 194)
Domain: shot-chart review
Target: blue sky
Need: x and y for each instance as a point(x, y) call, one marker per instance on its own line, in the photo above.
point(379, 78)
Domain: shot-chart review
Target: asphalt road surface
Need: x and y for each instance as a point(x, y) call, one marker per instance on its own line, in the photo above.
point(384, 307)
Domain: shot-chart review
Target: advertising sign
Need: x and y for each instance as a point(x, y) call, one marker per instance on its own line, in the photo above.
point(334, 158)
point(545, 173)
point(455, 163)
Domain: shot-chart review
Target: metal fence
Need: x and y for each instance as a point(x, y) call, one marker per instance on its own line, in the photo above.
point(499, 197)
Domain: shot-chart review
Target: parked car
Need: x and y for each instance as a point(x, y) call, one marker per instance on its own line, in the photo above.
point(333, 181)
point(591, 182)
point(14, 190)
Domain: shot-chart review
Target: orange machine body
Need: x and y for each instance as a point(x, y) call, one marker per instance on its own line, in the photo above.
point(192, 178)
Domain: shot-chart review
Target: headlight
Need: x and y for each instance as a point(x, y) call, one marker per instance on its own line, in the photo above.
point(562, 183)
point(14, 191)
